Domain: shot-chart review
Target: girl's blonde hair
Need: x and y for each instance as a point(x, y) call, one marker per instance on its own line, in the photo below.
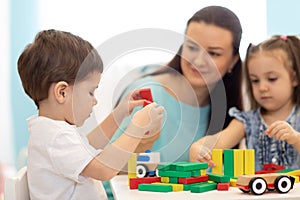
point(285, 48)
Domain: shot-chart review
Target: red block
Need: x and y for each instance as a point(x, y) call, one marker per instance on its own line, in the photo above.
point(134, 182)
point(223, 186)
point(193, 179)
point(147, 95)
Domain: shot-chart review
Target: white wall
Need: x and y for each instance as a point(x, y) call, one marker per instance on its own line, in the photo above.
point(99, 21)
point(6, 148)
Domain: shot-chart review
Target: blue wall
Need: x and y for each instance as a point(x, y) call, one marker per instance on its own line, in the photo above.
point(283, 17)
point(23, 27)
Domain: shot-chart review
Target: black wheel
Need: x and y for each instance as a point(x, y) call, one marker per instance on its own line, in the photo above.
point(245, 191)
point(257, 185)
point(141, 171)
point(283, 184)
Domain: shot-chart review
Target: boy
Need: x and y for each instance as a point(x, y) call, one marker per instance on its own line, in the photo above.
point(60, 72)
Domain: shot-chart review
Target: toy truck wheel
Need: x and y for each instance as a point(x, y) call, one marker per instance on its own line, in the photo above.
point(257, 185)
point(283, 184)
point(245, 191)
point(141, 171)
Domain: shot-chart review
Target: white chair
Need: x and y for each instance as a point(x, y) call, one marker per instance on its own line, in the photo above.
point(16, 188)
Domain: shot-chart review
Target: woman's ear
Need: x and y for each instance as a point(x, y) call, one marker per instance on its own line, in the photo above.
point(234, 61)
point(60, 91)
point(294, 79)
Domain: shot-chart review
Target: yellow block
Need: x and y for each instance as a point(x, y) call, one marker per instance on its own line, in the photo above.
point(294, 173)
point(203, 172)
point(238, 162)
point(217, 157)
point(249, 163)
point(165, 179)
point(131, 167)
point(175, 187)
point(233, 182)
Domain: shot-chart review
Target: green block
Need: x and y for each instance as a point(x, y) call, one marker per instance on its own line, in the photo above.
point(155, 187)
point(228, 162)
point(175, 174)
point(173, 180)
point(203, 187)
point(196, 173)
point(164, 167)
point(188, 186)
point(190, 166)
point(284, 171)
point(218, 178)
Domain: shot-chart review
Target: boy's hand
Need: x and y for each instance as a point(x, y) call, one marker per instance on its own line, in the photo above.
point(281, 130)
point(146, 122)
point(200, 153)
point(127, 105)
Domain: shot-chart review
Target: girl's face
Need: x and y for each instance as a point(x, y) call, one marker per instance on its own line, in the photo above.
point(83, 98)
point(272, 83)
point(207, 53)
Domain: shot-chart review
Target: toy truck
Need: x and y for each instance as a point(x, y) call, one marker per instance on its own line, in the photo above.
point(146, 164)
point(257, 184)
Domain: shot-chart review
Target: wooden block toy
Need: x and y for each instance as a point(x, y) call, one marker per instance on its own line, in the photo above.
point(134, 182)
point(257, 184)
point(218, 178)
point(175, 174)
point(294, 172)
point(165, 179)
point(203, 187)
point(228, 162)
point(223, 186)
point(175, 187)
point(196, 173)
point(238, 162)
point(193, 179)
point(190, 166)
point(147, 95)
point(270, 168)
point(217, 157)
point(233, 182)
point(249, 161)
point(155, 187)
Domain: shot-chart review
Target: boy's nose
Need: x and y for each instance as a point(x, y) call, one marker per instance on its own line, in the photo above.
point(95, 101)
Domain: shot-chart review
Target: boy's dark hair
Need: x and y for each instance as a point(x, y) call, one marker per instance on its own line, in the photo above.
point(55, 56)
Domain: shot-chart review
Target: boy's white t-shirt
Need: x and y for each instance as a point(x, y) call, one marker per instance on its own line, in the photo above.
point(57, 154)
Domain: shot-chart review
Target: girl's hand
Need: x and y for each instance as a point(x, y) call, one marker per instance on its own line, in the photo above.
point(200, 153)
point(281, 130)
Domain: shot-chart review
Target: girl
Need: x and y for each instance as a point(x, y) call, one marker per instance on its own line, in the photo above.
point(272, 125)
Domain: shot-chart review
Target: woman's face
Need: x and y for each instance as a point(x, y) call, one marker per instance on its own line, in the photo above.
point(207, 54)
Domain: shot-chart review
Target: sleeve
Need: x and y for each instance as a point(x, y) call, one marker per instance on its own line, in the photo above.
point(241, 116)
point(70, 153)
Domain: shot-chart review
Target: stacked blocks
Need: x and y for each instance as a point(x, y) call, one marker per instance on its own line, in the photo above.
point(182, 176)
point(236, 162)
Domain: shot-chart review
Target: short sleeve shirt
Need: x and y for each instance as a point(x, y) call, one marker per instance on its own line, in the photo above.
point(57, 154)
point(268, 150)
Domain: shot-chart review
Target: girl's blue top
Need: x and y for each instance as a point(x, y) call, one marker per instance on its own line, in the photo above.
point(268, 150)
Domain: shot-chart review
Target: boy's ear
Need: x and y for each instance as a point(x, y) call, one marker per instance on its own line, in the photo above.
point(60, 91)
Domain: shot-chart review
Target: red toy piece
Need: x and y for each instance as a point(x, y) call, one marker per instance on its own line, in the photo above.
point(147, 95)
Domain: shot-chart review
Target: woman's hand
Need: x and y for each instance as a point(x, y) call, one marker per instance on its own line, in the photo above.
point(200, 153)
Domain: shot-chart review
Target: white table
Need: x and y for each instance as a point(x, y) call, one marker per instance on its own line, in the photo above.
point(120, 189)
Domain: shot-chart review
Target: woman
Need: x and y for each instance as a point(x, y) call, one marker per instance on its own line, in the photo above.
point(198, 85)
